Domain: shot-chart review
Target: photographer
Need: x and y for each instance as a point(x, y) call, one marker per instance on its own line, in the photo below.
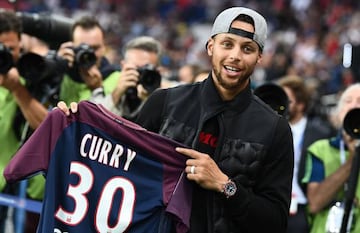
point(16, 102)
point(328, 167)
point(137, 80)
point(88, 68)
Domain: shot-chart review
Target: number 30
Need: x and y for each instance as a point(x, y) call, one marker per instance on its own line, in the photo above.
point(78, 193)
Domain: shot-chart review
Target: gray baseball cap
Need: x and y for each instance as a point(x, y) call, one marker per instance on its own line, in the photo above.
point(223, 22)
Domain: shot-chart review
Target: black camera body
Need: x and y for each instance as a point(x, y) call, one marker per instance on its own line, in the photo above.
point(43, 75)
point(36, 68)
point(6, 59)
point(84, 56)
point(149, 77)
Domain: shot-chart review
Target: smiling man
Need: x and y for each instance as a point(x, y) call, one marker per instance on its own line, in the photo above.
point(243, 178)
point(241, 156)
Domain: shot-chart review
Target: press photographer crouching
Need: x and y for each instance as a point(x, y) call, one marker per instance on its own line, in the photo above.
point(139, 78)
point(38, 64)
point(35, 67)
point(332, 171)
point(19, 111)
point(74, 67)
point(88, 67)
point(44, 73)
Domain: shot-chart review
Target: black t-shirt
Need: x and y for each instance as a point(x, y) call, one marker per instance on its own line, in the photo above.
point(207, 143)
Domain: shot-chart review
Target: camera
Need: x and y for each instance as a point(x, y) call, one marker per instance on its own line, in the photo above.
point(53, 29)
point(36, 68)
point(274, 96)
point(351, 123)
point(43, 75)
point(149, 77)
point(84, 56)
point(6, 59)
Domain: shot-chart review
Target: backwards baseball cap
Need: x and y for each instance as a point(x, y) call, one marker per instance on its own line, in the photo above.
point(223, 21)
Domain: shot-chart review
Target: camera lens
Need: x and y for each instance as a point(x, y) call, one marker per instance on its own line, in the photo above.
point(84, 56)
point(274, 96)
point(36, 68)
point(352, 123)
point(31, 66)
point(6, 59)
point(150, 78)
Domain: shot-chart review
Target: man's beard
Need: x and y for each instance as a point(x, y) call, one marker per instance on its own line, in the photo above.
point(229, 86)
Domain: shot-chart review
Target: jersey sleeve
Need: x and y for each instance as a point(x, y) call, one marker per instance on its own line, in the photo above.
point(29, 159)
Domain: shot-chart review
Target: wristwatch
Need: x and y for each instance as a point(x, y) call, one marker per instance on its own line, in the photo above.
point(229, 188)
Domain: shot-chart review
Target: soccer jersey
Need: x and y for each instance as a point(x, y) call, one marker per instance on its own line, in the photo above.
point(104, 174)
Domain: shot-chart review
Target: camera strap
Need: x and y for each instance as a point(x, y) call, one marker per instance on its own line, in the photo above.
point(343, 160)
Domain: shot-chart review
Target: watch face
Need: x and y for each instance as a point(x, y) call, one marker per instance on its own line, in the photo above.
point(230, 189)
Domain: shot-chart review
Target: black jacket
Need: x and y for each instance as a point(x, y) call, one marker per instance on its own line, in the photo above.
point(254, 149)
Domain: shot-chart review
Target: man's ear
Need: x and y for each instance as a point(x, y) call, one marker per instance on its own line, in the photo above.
point(259, 58)
point(210, 46)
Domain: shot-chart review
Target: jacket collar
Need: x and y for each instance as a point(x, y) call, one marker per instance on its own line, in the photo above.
point(335, 141)
point(212, 101)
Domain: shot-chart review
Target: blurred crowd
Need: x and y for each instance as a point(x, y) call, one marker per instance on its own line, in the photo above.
point(306, 37)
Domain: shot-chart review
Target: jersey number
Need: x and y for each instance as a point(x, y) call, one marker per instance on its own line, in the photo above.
point(78, 194)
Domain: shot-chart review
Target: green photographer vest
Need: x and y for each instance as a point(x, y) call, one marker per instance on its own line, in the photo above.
point(330, 156)
point(72, 91)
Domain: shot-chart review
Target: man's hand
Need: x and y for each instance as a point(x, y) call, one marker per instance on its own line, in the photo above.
point(129, 77)
point(11, 80)
point(142, 92)
point(66, 52)
point(92, 77)
point(350, 143)
point(63, 107)
point(202, 169)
